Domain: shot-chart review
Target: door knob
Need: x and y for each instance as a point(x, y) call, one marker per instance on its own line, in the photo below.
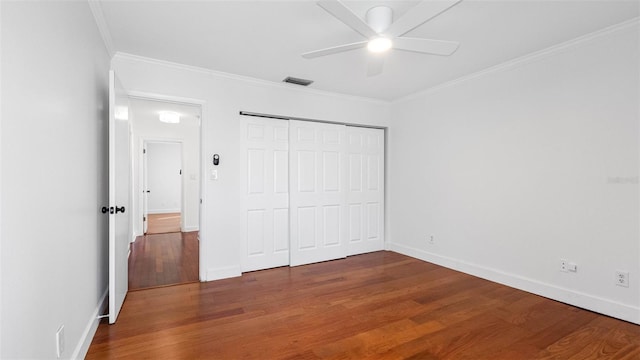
point(112, 210)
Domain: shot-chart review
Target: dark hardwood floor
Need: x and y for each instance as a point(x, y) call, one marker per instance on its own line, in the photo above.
point(163, 259)
point(381, 305)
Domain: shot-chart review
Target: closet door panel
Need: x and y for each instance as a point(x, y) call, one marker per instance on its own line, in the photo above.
point(366, 190)
point(265, 198)
point(318, 207)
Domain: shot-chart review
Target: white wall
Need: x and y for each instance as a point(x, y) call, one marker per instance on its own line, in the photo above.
point(54, 177)
point(224, 97)
point(163, 177)
point(516, 168)
point(145, 126)
point(1, 113)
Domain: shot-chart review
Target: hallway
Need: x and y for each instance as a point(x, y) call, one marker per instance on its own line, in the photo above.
point(163, 259)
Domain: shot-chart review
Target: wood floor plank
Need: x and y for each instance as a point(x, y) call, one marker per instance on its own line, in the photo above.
point(381, 305)
point(163, 223)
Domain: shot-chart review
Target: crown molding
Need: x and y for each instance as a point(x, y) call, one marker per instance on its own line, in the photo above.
point(523, 60)
point(246, 79)
point(101, 22)
point(143, 95)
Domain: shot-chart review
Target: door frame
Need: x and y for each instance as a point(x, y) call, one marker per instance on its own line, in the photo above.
point(203, 231)
point(145, 178)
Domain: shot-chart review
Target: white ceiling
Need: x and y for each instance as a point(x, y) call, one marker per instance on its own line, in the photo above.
point(264, 39)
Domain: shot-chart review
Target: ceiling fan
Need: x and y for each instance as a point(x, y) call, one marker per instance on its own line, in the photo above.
point(384, 34)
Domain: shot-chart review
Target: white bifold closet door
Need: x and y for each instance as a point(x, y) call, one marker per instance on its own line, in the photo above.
point(317, 192)
point(365, 190)
point(265, 202)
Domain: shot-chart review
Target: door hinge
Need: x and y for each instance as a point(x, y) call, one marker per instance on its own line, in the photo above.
point(144, 218)
point(144, 151)
point(180, 171)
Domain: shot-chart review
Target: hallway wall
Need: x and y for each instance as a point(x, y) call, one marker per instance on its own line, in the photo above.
point(164, 163)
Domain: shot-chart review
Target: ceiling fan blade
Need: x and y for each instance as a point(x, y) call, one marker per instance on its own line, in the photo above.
point(334, 50)
point(344, 14)
point(375, 65)
point(420, 14)
point(426, 46)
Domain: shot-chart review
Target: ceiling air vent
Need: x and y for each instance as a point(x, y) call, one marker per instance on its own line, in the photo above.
point(297, 81)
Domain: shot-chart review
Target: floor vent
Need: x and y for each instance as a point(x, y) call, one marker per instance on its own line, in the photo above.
point(297, 81)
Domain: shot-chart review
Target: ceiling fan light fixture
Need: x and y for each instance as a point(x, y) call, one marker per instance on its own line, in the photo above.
point(379, 44)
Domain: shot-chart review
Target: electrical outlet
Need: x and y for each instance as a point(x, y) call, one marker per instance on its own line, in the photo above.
point(431, 240)
point(564, 265)
point(622, 278)
point(573, 267)
point(60, 341)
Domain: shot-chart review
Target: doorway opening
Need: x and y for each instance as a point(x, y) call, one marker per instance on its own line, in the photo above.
point(166, 194)
point(162, 172)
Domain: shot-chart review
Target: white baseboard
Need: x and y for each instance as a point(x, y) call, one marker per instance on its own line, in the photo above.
point(575, 298)
point(191, 228)
point(223, 273)
point(81, 349)
point(163, 211)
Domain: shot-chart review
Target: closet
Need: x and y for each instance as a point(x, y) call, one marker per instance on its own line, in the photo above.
point(311, 191)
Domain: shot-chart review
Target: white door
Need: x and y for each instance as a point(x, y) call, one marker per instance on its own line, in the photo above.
point(318, 192)
point(145, 191)
point(265, 199)
point(119, 196)
point(366, 190)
